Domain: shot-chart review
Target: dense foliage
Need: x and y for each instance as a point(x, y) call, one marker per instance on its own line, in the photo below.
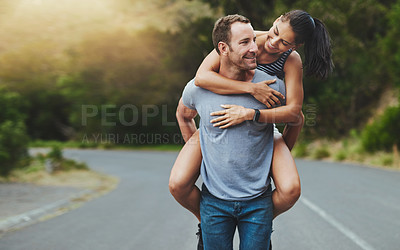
point(383, 132)
point(109, 73)
point(13, 137)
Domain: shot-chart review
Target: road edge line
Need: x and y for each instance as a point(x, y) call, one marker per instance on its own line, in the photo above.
point(332, 221)
point(35, 215)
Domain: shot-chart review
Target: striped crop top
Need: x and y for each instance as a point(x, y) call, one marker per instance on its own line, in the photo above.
point(276, 68)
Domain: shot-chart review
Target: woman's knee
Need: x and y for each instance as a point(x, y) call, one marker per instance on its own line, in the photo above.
point(291, 190)
point(174, 186)
point(177, 187)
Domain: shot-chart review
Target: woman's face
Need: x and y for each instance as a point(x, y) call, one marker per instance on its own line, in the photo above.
point(280, 38)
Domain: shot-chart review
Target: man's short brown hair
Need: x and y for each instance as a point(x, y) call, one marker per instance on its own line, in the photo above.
point(222, 29)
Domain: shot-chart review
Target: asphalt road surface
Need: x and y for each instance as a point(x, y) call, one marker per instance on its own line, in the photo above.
point(342, 207)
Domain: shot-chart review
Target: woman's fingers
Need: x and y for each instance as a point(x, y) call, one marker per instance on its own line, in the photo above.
point(221, 123)
point(221, 112)
point(226, 125)
point(278, 94)
point(269, 105)
point(227, 106)
point(221, 118)
point(268, 82)
point(232, 115)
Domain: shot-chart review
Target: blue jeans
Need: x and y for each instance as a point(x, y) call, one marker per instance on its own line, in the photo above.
point(219, 219)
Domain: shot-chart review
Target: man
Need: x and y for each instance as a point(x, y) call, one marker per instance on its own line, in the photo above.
point(236, 161)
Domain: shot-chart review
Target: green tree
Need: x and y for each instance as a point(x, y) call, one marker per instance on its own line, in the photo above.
point(256, 10)
point(13, 138)
point(382, 133)
point(390, 45)
point(32, 74)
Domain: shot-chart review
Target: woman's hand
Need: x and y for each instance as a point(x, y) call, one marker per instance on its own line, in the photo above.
point(265, 94)
point(231, 115)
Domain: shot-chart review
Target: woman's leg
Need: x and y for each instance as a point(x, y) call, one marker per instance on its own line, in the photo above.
point(292, 131)
point(184, 174)
point(285, 176)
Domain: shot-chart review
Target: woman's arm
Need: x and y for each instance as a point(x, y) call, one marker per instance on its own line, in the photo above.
point(260, 33)
point(292, 130)
point(234, 114)
point(207, 77)
point(294, 94)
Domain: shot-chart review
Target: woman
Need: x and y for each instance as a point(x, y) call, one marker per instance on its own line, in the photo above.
point(276, 56)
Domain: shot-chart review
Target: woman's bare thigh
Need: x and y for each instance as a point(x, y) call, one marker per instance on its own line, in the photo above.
point(186, 169)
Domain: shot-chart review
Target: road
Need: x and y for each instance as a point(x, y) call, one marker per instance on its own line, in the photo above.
point(342, 207)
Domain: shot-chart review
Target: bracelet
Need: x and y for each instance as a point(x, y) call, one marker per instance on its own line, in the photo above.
point(256, 115)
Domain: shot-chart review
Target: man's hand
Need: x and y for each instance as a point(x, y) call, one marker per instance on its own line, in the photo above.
point(231, 115)
point(265, 94)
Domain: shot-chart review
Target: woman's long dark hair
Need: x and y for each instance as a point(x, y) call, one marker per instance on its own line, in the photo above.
point(317, 44)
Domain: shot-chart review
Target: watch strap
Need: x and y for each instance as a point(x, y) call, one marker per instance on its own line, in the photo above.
point(256, 116)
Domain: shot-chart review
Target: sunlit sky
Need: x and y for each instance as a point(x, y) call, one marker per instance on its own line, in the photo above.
point(23, 21)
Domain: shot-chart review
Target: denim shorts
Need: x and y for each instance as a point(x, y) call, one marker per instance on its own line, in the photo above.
point(219, 219)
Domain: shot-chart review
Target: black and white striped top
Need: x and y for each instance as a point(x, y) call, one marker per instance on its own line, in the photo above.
point(276, 68)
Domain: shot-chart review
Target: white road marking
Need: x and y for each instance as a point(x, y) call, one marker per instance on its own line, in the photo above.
point(347, 232)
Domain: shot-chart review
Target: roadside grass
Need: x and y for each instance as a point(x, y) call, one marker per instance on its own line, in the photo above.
point(347, 150)
point(84, 179)
point(53, 169)
point(93, 145)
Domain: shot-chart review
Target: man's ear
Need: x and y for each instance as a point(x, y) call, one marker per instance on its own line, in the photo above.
point(223, 48)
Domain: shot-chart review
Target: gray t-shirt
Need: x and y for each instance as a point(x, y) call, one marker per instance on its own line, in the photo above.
point(236, 161)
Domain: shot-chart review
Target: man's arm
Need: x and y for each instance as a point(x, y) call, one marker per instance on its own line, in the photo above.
point(185, 117)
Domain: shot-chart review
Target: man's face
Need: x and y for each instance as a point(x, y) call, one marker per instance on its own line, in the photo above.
point(243, 49)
